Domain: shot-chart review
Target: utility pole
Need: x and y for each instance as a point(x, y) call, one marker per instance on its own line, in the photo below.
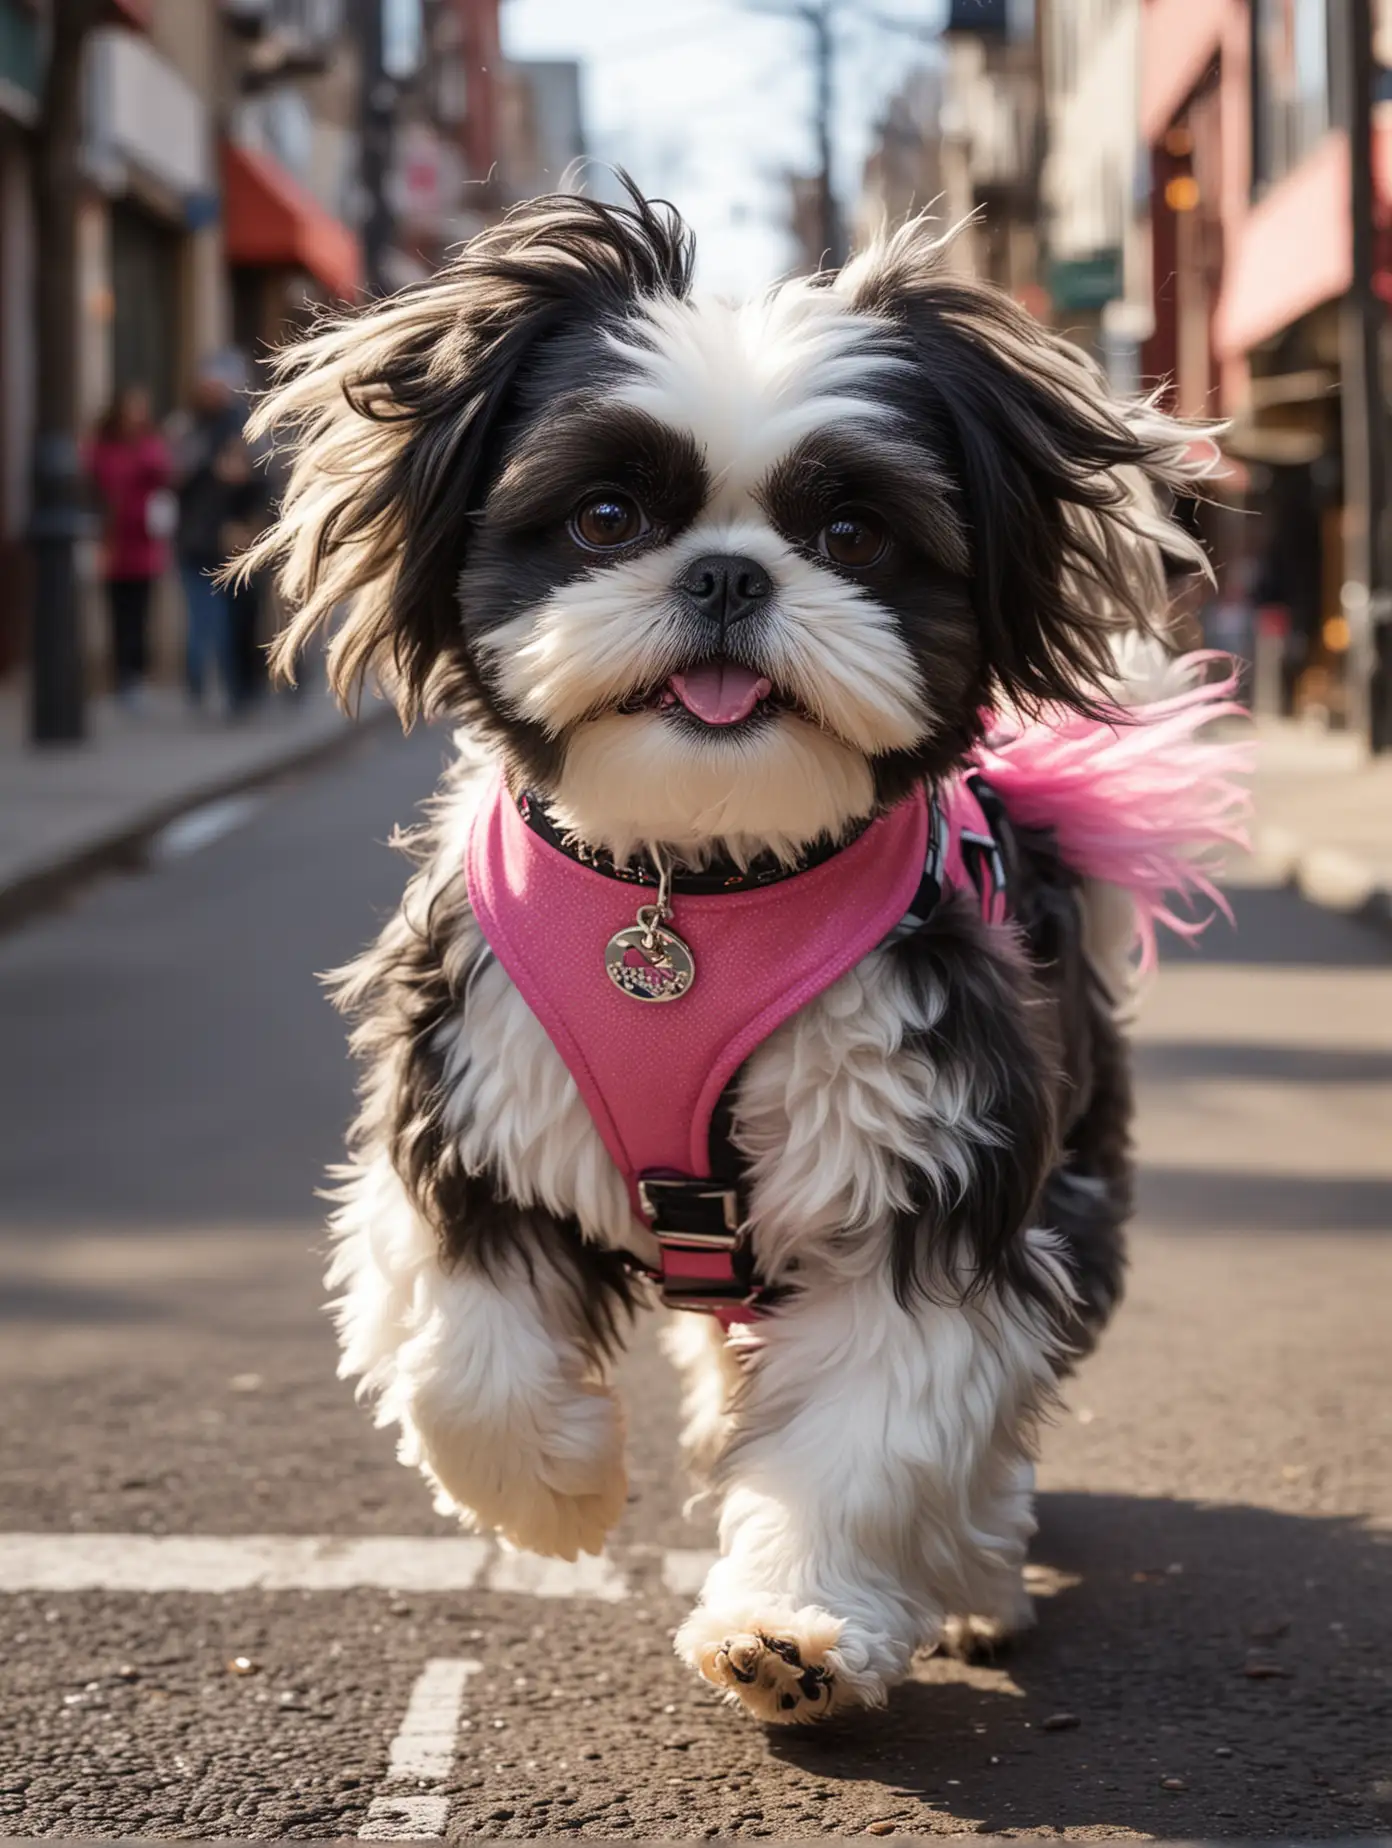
point(819, 19)
point(1367, 592)
point(377, 122)
point(59, 517)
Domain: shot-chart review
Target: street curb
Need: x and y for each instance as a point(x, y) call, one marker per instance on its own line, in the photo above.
point(122, 848)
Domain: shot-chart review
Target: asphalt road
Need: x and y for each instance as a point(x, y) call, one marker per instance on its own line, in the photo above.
point(1215, 1555)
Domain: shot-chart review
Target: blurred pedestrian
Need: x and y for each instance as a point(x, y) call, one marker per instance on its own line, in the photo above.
point(211, 473)
point(248, 509)
point(129, 463)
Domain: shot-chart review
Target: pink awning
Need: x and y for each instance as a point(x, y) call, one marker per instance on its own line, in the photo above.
point(1179, 40)
point(1294, 251)
point(1295, 247)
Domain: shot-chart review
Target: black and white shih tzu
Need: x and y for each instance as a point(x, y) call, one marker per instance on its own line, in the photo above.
point(714, 591)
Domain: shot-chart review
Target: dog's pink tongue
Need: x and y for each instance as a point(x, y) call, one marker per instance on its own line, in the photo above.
point(721, 693)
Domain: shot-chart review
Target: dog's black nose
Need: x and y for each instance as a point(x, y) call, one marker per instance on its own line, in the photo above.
point(725, 588)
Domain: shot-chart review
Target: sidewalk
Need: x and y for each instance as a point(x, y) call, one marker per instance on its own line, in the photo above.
point(67, 811)
point(1323, 819)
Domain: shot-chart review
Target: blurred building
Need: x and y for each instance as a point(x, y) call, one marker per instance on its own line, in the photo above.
point(288, 159)
point(452, 163)
point(903, 173)
point(1097, 266)
point(992, 141)
point(541, 133)
point(226, 193)
point(1244, 116)
point(963, 135)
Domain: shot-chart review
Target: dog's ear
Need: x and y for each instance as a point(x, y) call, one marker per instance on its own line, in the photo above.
point(395, 416)
point(1058, 476)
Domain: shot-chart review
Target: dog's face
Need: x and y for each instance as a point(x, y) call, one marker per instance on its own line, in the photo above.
point(716, 584)
point(704, 572)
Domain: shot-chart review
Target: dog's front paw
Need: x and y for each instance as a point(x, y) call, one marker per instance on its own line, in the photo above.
point(554, 1486)
point(542, 1518)
point(782, 1666)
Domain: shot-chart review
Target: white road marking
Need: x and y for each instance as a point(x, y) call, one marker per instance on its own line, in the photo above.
point(534, 1577)
point(424, 1745)
point(218, 1564)
point(200, 827)
point(684, 1569)
point(423, 1749)
point(405, 1819)
point(250, 1562)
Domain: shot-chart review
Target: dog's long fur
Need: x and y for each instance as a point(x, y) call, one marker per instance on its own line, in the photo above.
point(938, 1145)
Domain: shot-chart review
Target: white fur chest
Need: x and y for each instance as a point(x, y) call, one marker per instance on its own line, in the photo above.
point(828, 1108)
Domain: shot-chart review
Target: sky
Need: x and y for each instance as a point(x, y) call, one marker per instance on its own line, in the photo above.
point(709, 103)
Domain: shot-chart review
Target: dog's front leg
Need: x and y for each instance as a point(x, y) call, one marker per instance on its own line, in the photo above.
point(866, 1447)
point(489, 1366)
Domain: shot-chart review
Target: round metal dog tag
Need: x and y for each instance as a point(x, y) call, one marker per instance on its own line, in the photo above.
point(649, 963)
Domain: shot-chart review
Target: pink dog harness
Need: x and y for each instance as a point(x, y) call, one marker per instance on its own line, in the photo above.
point(1143, 804)
point(727, 965)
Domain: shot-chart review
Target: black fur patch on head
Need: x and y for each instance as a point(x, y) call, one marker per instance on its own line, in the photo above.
point(521, 551)
point(922, 580)
point(585, 445)
point(403, 416)
point(864, 470)
point(1064, 550)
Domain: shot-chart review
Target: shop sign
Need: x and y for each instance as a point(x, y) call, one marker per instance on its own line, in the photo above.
point(1086, 284)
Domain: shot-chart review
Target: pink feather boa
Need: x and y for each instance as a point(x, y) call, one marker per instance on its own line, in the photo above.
point(1141, 801)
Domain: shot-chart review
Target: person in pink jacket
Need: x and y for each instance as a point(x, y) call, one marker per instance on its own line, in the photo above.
point(130, 464)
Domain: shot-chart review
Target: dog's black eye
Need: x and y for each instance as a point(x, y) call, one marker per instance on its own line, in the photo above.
point(854, 540)
point(606, 521)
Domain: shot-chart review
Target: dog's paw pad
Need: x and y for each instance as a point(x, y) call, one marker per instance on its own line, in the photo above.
point(767, 1675)
point(783, 1673)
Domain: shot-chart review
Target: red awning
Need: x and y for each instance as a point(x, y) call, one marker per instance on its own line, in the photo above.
point(269, 218)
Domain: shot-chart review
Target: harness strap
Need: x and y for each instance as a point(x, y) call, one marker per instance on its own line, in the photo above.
point(658, 1081)
point(705, 1259)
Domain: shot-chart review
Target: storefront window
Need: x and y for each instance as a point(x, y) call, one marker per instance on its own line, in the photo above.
point(1291, 48)
point(403, 38)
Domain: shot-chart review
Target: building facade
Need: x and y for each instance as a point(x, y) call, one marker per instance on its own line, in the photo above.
point(1097, 264)
point(962, 138)
point(225, 193)
point(1244, 114)
point(992, 141)
point(903, 173)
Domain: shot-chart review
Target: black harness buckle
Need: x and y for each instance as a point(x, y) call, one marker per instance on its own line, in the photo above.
point(687, 1214)
point(681, 1211)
